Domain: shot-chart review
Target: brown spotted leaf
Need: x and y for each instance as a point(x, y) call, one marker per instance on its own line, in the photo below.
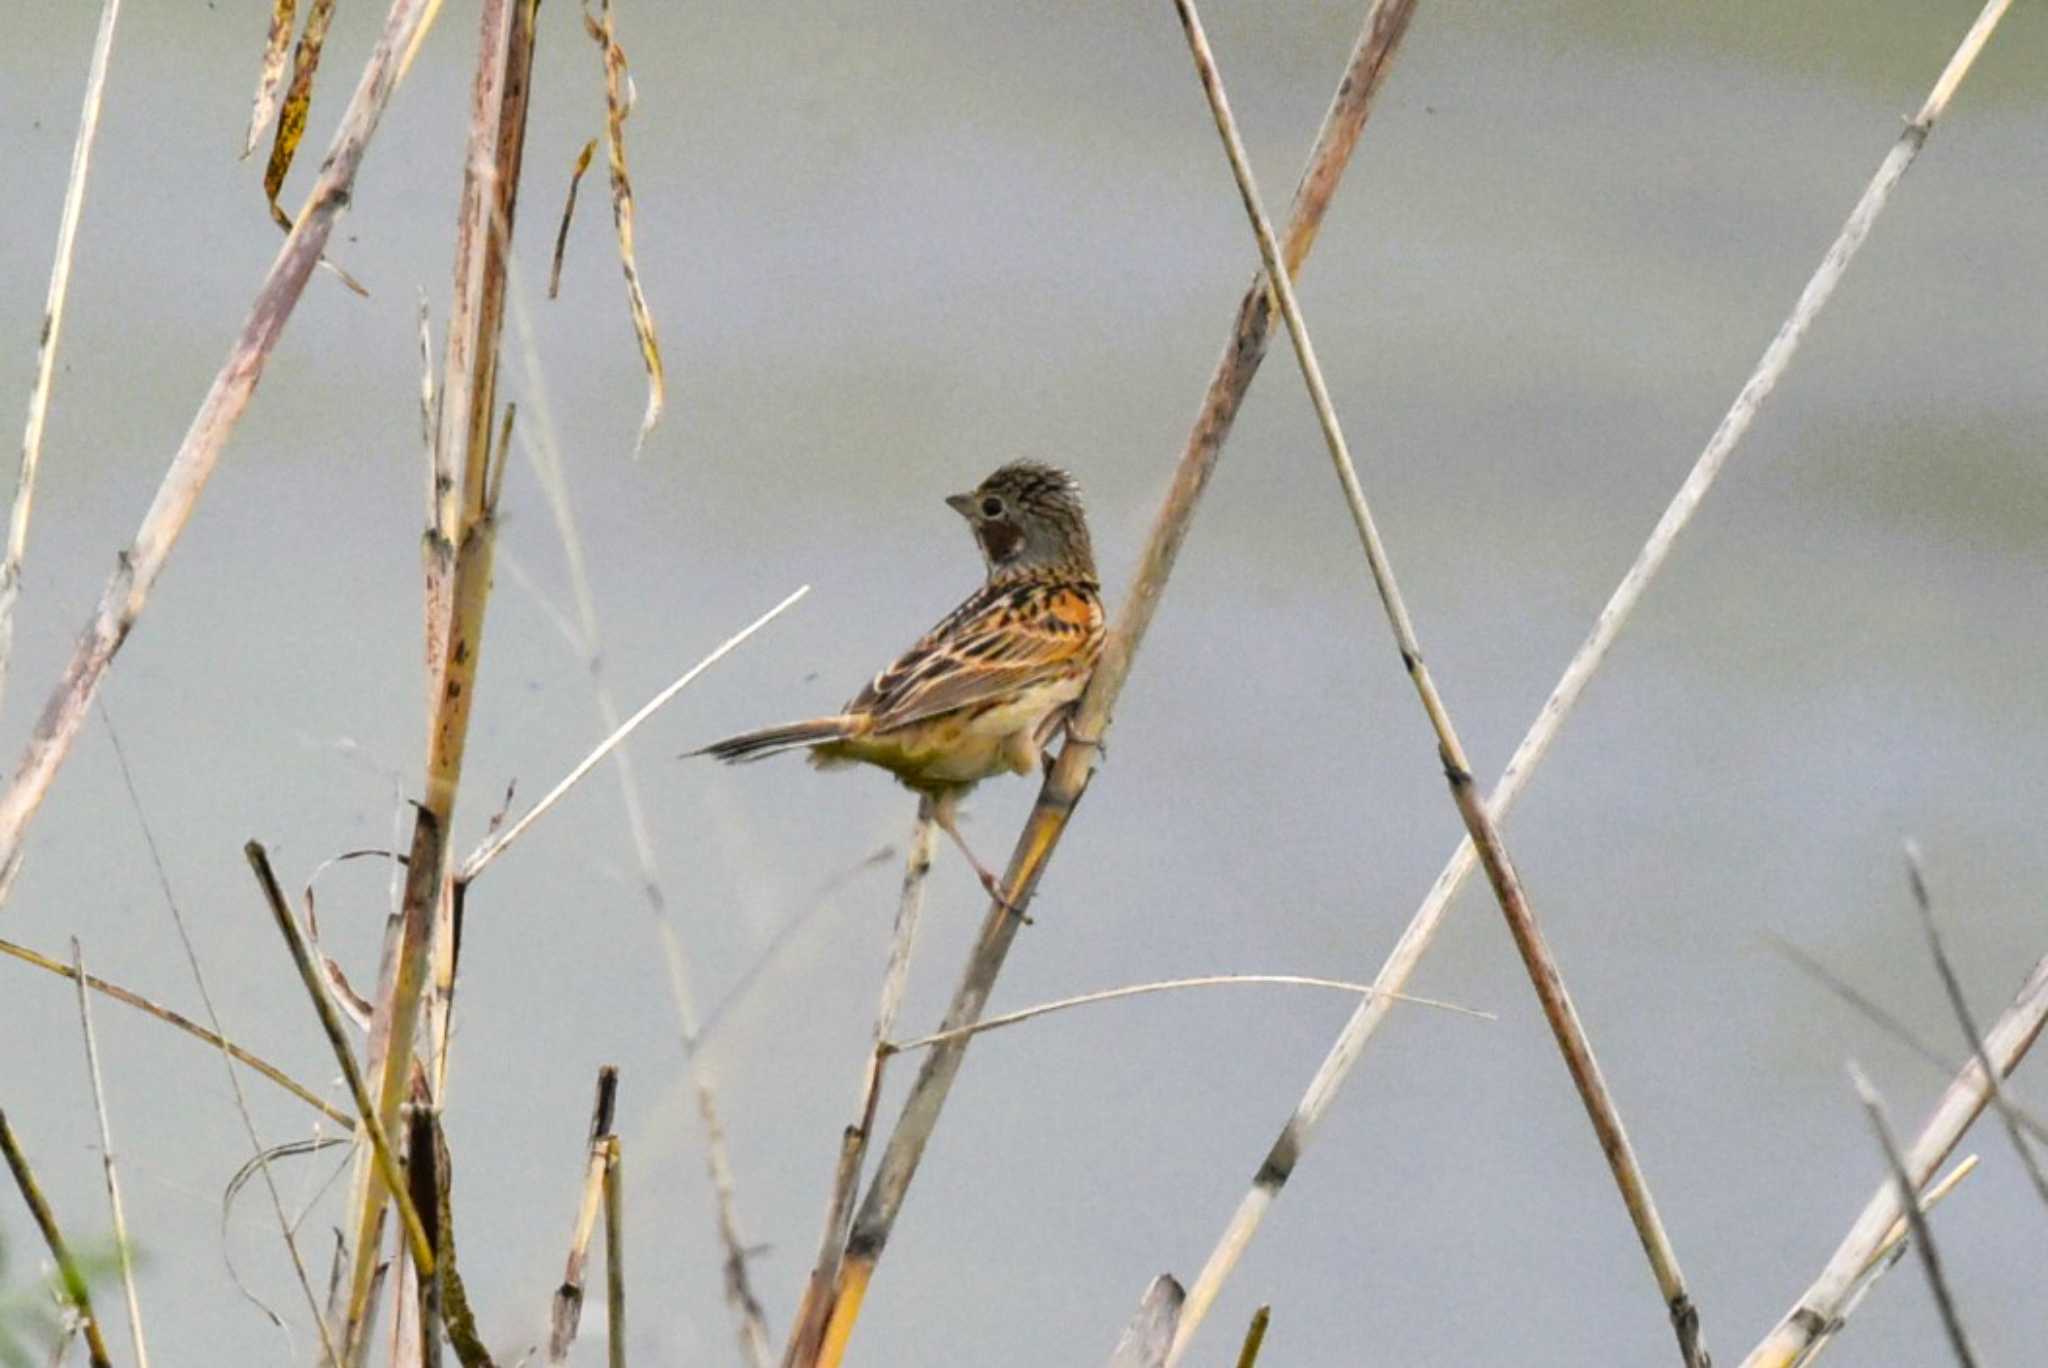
point(298, 100)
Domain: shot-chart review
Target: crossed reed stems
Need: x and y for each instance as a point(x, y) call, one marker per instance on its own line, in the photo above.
point(396, 1092)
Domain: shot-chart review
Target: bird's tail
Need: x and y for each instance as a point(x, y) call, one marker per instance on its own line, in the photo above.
point(758, 745)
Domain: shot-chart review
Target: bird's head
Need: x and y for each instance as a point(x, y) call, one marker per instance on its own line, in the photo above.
point(1027, 516)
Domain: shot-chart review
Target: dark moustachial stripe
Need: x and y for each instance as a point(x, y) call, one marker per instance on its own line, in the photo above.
point(1002, 539)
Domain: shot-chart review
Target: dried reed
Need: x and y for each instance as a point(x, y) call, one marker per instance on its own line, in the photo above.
point(457, 557)
point(1407, 953)
point(1130, 990)
point(1923, 1233)
point(261, 1152)
point(127, 590)
point(1254, 1337)
point(1385, 24)
point(544, 453)
point(617, 105)
point(419, 974)
point(1146, 1339)
point(71, 1284)
point(1537, 956)
point(567, 1312)
point(52, 330)
point(614, 1256)
point(124, 1250)
point(808, 1327)
point(1892, 1249)
point(1891, 1025)
point(495, 844)
point(1821, 1309)
point(331, 1025)
point(2008, 1112)
point(188, 1026)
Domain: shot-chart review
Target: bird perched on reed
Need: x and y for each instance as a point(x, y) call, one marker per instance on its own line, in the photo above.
point(985, 690)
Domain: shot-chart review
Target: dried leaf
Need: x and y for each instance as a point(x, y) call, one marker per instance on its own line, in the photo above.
point(249, 1169)
point(272, 77)
point(298, 100)
point(291, 124)
point(618, 102)
point(568, 212)
point(354, 1005)
point(346, 857)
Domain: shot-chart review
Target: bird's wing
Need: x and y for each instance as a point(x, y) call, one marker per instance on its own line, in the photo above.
point(1003, 639)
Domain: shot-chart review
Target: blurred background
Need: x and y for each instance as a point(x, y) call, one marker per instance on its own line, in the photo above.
point(888, 248)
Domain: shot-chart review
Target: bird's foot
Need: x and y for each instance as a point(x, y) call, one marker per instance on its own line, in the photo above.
point(942, 813)
point(1094, 743)
point(994, 887)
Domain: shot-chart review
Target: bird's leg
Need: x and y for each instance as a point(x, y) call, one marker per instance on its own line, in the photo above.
point(1064, 726)
point(1060, 723)
point(942, 813)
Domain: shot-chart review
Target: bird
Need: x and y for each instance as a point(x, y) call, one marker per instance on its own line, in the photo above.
point(988, 688)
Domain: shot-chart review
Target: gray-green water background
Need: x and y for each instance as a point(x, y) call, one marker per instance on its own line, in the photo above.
point(889, 247)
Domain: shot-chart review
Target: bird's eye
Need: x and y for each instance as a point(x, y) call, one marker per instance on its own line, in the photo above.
point(991, 507)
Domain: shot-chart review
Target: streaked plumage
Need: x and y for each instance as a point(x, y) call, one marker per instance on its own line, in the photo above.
point(986, 689)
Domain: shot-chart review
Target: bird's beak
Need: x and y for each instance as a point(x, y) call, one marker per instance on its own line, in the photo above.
point(963, 504)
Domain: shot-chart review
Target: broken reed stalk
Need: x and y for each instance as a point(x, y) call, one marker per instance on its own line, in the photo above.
point(457, 558)
point(188, 1026)
point(138, 565)
point(461, 543)
point(1923, 1233)
point(567, 1312)
point(457, 564)
point(52, 330)
point(70, 1280)
point(1923, 903)
point(614, 1256)
point(123, 1250)
point(1254, 1337)
point(1299, 1129)
point(544, 453)
point(425, 1185)
point(1385, 24)
point(1895, 1238)
point(344, 1055)
point(1823, 1306)
point(807, 1328)
point(392, 1065)
point(1892, 1249)
point(1146, 1339)
point(1537, 957)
